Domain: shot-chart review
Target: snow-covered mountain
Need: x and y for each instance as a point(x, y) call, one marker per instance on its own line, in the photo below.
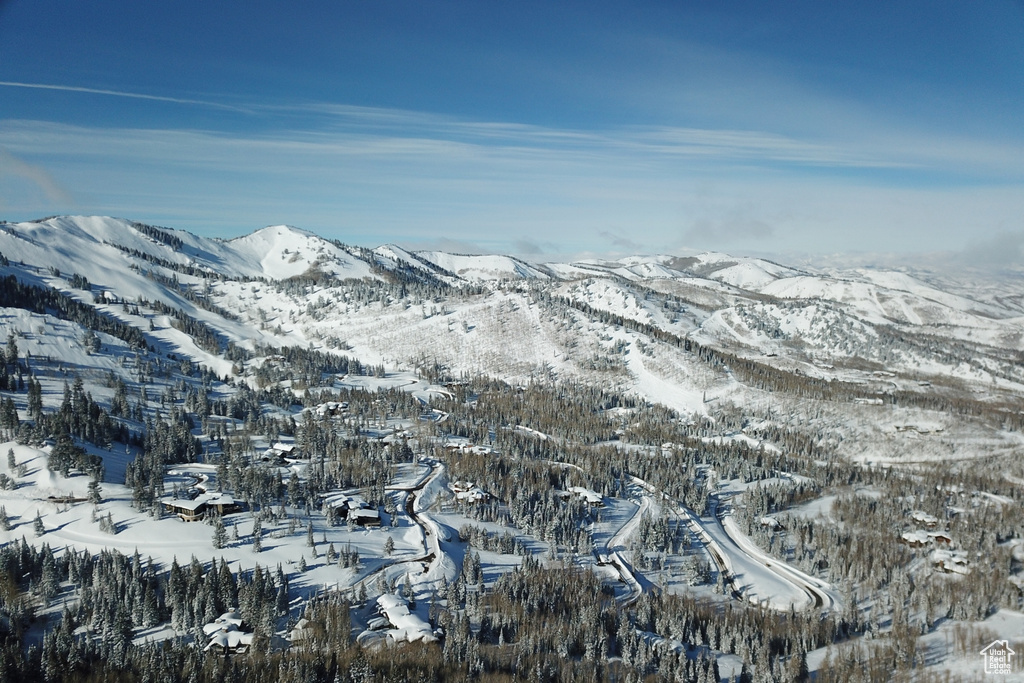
point(97, 245)
point(593, 321)
point(683, 424)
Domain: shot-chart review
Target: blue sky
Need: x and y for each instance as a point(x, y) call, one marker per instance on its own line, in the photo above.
point(538, 128)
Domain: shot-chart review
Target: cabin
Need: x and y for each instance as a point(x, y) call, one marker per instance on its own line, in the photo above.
point(467, 492)
point(406, 625)
point(342, 506)
point(194, 508)
point(915, 539)
point(332, 408)
point(302, 632)
point(592, 498)
point(950, 562)
point(364, 517)
point(277, 453)
point(924, 519)
point(919, 538)
point(286, 450)
point(466, 447)
point(340, 503)
point(226, 635)
point(272, 457)
point(230, 642)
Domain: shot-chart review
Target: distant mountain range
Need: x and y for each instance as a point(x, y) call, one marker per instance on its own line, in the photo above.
point(621, 323)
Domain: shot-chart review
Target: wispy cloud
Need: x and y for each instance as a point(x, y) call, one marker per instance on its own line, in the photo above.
point(1001, 249)
point(490, 184)
point(12, 165)
point(379, 130)
point(620, 242)
point(654, 141)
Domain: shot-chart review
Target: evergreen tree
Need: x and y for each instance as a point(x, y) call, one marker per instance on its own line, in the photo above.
point(407, 592)
point(35, 398)
point(220, 534)
point(94, 492)
point(9, 415)
point(11, 354)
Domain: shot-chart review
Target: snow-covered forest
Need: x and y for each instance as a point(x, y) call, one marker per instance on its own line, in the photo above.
point(285, 458)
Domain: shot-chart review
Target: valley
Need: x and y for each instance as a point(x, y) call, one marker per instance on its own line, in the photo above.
point(694, 467)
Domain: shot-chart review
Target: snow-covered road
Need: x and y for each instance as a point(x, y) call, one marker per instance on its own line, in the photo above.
point(763, 578)
point(617, 543)
point(749, 572)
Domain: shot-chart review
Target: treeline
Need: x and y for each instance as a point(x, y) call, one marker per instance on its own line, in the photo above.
point(306, 367)
point(202, 334)
point(768, 378)
point(12, 376)
point(159, 234)
point(45, 300)
point(79, 416)
point(198, 298)
point(579, 414)
point(163, 443)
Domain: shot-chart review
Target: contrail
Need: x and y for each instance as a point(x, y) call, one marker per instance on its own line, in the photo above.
point(120, 93)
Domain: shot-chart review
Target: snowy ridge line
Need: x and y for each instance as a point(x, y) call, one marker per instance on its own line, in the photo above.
point(726, 329)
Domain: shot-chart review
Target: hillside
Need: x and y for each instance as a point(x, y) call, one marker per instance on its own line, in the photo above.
point(672, 435)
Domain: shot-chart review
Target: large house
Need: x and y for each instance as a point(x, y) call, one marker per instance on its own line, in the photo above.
point(365, 516)
point(226, 634)
point(193, 508)
point(351, 508)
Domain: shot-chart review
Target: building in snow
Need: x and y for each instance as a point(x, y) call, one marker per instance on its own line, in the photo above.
point(194, 508)
point(226, 634)
point(365, 517)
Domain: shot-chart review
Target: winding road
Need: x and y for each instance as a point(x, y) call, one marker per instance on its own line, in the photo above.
point(745, 567)
point(617, 543)
point(819, 592)
point(431, 542)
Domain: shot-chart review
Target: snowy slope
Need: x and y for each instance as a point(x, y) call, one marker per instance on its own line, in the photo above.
point(858, 321)
point(281, 251)
point(484, 267)
point(89, 244)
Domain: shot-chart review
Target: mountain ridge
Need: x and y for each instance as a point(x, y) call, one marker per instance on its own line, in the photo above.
point(840, 325)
